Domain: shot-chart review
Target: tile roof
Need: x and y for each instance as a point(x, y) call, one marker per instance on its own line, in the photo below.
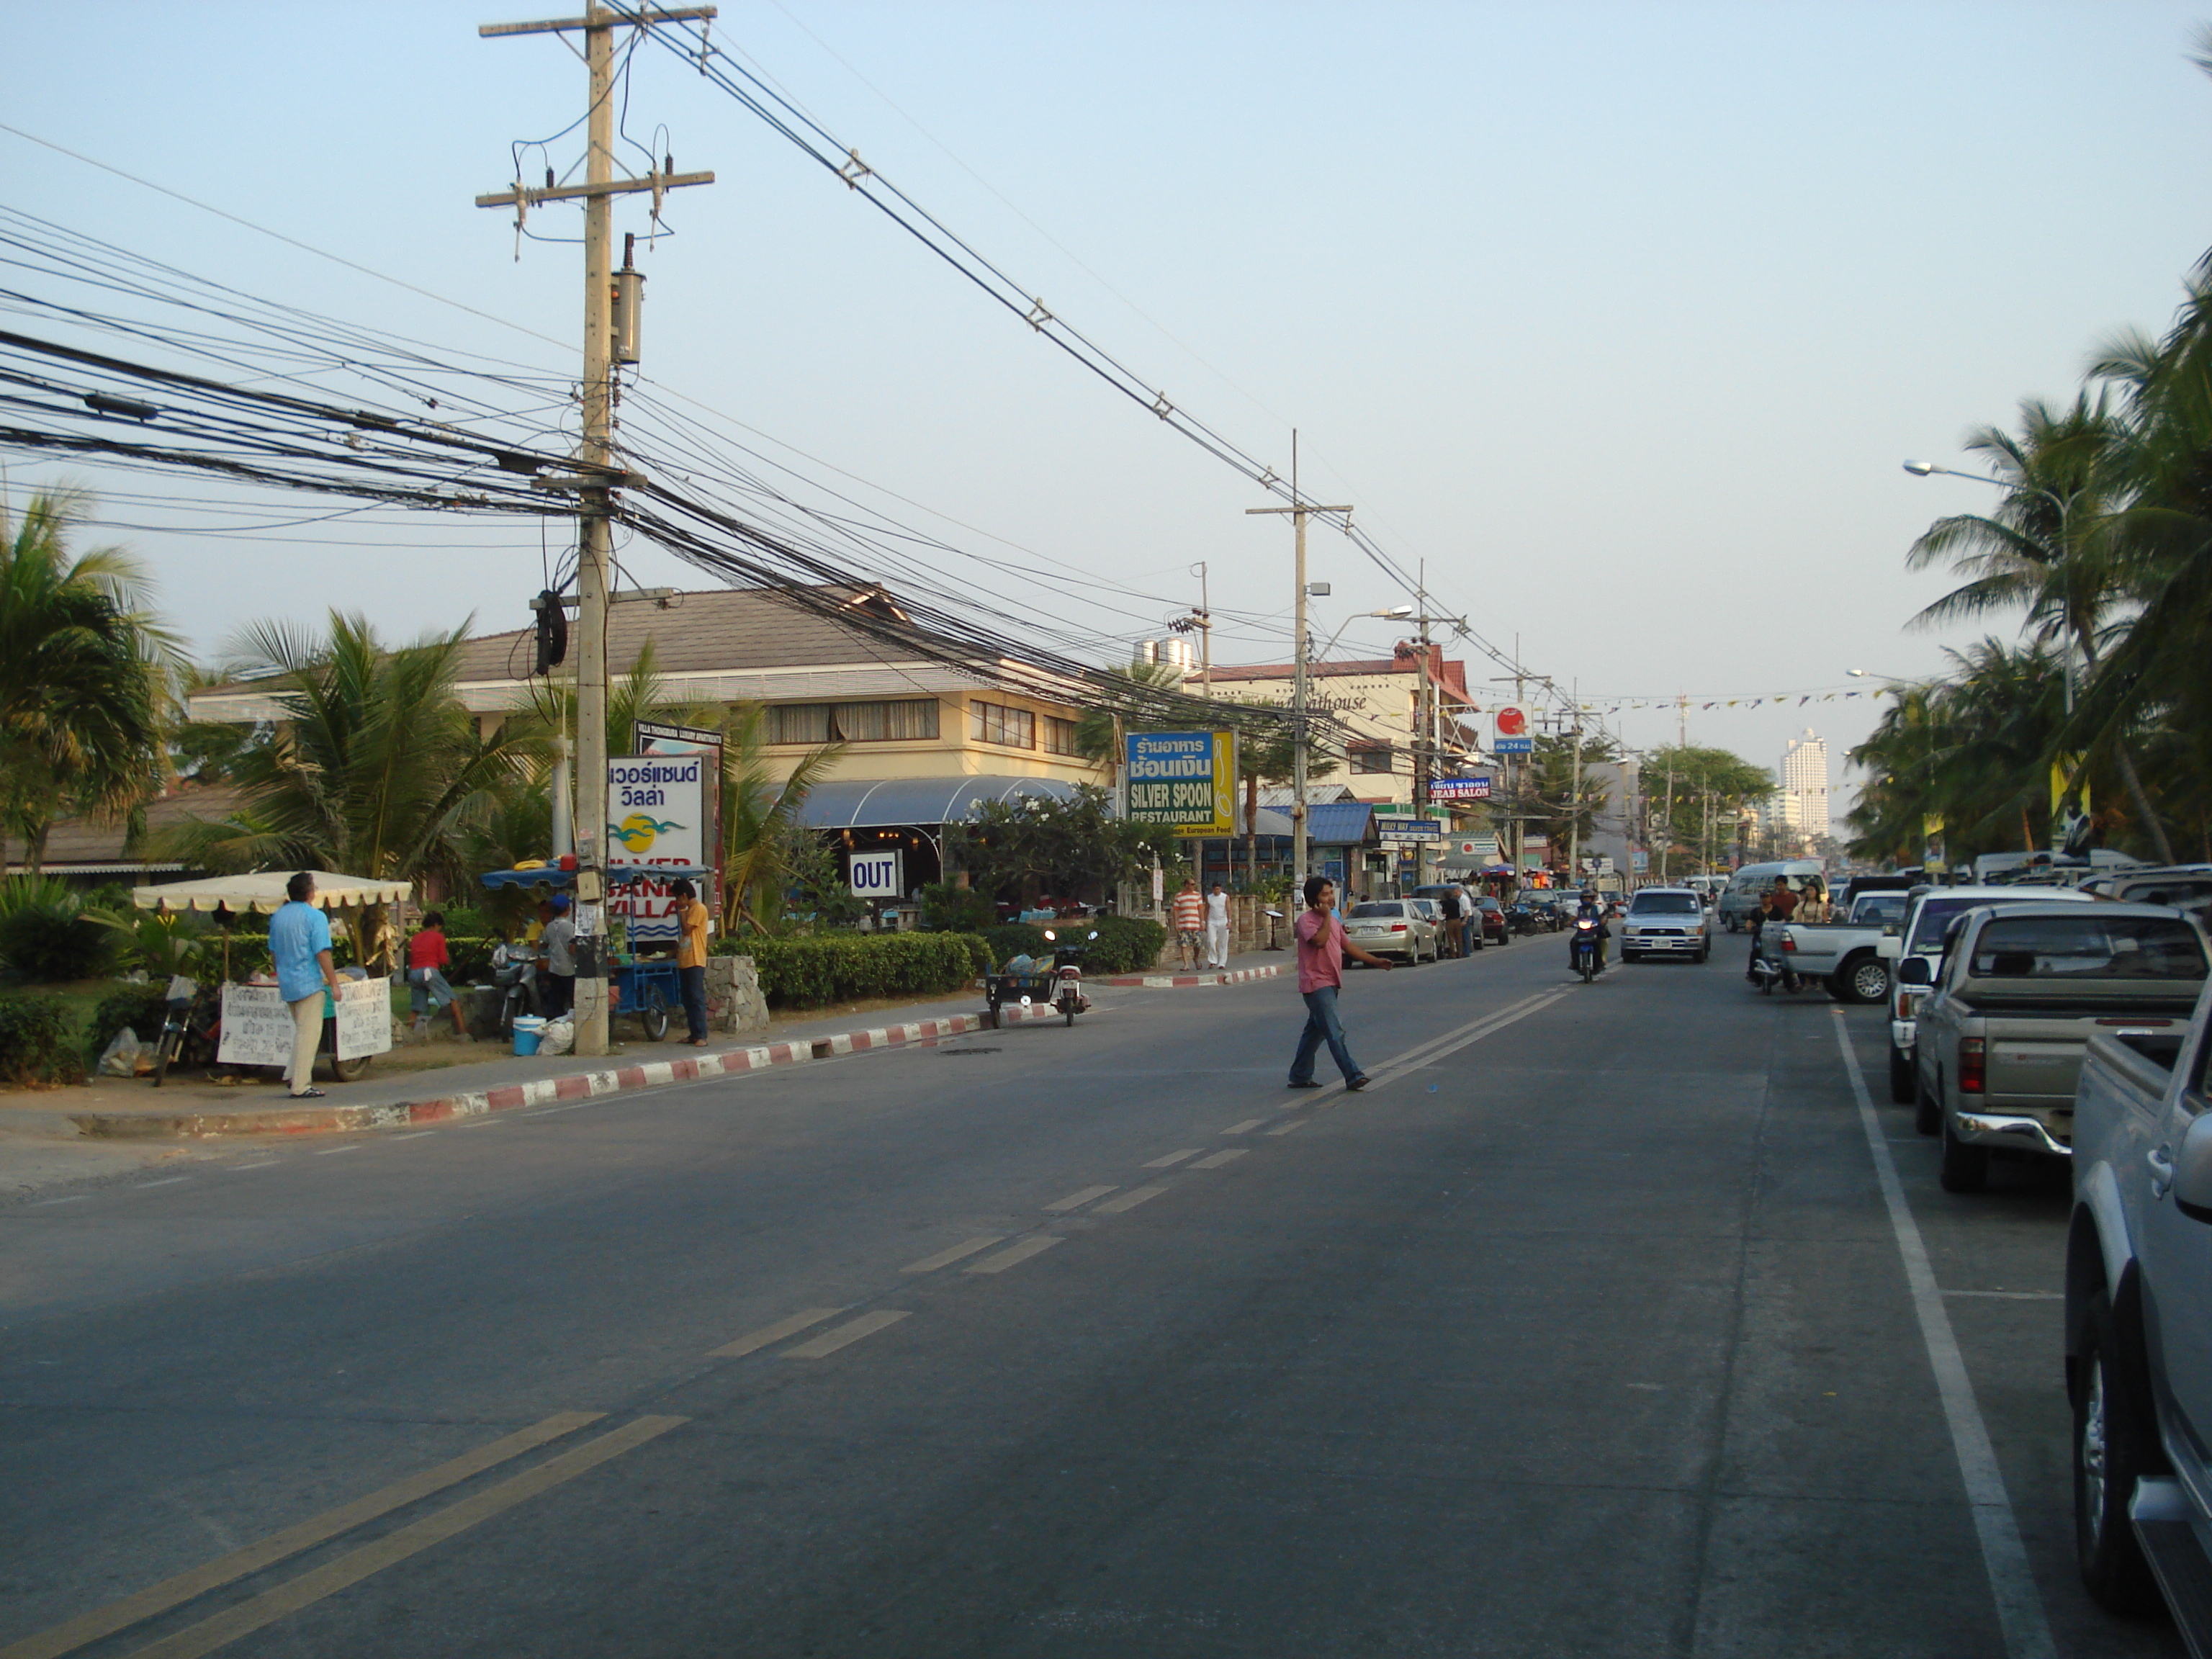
point(85, 847)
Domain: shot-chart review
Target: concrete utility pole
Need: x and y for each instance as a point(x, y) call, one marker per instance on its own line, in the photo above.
point(599, 475)
point(1574, 790)
point(1298, 510)
point(1428, 720)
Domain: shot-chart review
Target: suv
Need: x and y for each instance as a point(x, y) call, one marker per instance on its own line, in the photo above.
point(1665, 921)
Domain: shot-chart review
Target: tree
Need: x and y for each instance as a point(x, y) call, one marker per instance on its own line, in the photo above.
point(1545, 792)
point(1038, 844)
point(761, 818)
point(1692, 789)
point(83, 666)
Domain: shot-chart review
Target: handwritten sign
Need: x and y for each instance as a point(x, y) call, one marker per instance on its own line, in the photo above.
point(257, 1023)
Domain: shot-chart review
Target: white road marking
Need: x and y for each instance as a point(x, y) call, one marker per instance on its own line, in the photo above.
point(1076, 1200)
point(844, 1335)
point(2015, 1295)
point(166, 1181)
point(754, 1341)
point(1295, 1123)
point(1034, 1244)
point(331, 1151)
point(1174, 1159)
point(2012, 1581)
point(1245, 1127)
point(1220, 1158)
point(412, 1134)
point(485, 1121)
point(1128, 1200)
point(1451, 1043)
point(265, 1163)
point(47, 1203)
point(930, 1264)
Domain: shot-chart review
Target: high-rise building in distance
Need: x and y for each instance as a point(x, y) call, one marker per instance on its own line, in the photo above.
point(1805, 784)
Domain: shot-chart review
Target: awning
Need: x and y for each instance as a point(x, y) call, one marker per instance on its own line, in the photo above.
point(893, 803)
point(1329, 823)
point(264, 893)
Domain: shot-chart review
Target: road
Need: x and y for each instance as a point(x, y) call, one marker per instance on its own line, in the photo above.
point(1589, 1330)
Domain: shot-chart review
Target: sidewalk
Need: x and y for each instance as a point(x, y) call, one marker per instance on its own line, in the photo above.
point(1251, 965)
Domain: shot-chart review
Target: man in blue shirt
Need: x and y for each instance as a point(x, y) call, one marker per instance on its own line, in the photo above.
point(300, 941)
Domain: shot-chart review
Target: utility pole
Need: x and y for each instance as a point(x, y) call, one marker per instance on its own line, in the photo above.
point(599, 475)
point(1204, 620)
point(1575, 789)
point(1299, 509)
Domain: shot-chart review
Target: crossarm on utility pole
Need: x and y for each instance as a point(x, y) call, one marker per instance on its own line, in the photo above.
point(602, 20)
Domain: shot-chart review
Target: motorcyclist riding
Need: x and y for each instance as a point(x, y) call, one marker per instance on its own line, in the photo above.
point(1596, 912)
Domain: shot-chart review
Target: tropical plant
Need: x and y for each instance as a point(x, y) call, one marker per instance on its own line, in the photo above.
point(1039, 844)
point(83, 666)
point(760, 815)
point(44, 935)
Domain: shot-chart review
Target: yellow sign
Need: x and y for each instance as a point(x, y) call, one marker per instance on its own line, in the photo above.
point(1184, 779)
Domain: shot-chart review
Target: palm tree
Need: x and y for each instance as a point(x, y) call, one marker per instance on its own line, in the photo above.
point(83, 666)
point(760, 817)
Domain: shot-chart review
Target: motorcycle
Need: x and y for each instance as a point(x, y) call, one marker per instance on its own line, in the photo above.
point(1771, 973)
point(517, 982)
point(1067, 994)
point(1585, 947)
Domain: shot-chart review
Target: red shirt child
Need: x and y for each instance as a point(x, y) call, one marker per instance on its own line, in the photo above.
point(428, 949)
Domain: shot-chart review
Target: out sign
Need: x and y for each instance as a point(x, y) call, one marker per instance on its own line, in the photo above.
point(877, 875)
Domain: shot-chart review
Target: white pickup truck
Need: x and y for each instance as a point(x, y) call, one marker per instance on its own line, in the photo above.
point(2139, 1322)
point(1847, 954)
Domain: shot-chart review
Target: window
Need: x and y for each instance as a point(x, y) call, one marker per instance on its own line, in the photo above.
point(1016, 728)
point(1371, 757)
point(1058, 735)
point(2088, 947)
point(1663, 904)
point(852, 722)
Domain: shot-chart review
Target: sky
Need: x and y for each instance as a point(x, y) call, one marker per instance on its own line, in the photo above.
point(1617, 320)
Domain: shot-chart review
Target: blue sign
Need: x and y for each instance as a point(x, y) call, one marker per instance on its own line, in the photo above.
point(1513, 745)
point(1408, 829)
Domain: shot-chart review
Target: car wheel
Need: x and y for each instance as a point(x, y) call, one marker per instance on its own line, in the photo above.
point(1966, 1168)
point(1866, 979)
point(2114, 1446)
point(1904, 1088)
point(1927, 1109)
point(1704, 951)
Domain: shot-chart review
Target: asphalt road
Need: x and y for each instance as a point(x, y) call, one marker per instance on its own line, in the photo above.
point(1588, 1330)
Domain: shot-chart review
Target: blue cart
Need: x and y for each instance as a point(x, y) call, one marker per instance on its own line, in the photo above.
point(648, 989)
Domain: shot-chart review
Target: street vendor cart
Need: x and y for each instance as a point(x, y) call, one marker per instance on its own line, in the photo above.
point(219, 1020)
point(647, 986)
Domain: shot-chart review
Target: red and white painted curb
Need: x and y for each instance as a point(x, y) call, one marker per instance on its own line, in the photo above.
point(541, 1091)
point(1177, 981)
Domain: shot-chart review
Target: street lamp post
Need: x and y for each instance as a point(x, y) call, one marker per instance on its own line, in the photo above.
point(1929, 469)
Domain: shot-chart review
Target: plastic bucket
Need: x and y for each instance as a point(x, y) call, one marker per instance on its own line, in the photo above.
point(526, 1028)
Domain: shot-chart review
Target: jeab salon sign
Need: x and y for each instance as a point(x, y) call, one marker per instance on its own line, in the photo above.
point(1187, 780)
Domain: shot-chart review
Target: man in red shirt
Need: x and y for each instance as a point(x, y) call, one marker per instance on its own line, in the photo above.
point(426, 984)
point(1322, 946)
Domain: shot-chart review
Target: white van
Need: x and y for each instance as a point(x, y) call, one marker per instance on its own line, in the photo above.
point(1742, 899)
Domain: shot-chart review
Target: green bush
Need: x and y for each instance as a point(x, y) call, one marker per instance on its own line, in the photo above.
point(35, 1041)
point(948, 908)
point(806, 972)
point(144, 1009)
point(44, 935)
point(1125, 945)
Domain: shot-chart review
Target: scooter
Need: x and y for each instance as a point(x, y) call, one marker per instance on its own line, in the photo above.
point(1067, 993)
point(1771, 973)
point(517, 981)
point(1585, 947)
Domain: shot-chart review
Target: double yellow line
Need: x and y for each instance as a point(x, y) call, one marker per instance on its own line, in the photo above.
point(351, 1569)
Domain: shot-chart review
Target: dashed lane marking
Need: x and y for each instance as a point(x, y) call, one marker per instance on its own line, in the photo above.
point(265, 1163)
point(175, 1592)
point(1036, 1245)
point(1128, 1200)
point(2015, 1295)
point(414, 1135)
point(166, 1181)
point(966, 1247)
point(844, 1335)
point(1174, 1159)
point(1245, 1127)
point(79, 1198)
point(332, 1152)
point(1076, 1200)
point(1295, 1123)
point(1220, 1158)
point(752, 1341)
point(309, 1588)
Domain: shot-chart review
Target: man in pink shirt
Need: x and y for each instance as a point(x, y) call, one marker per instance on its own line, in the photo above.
point(1322, 946)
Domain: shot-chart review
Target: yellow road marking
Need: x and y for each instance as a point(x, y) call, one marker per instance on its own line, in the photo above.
point(1174, 1159)
point(175, 1592)
point(1036, 1244)
point(1220, 1158)
point(1076, 1200)
point(1128, 1200)
point(930, 1264)
point(309, 1588)
point(753, 1340)
point(845, 1334)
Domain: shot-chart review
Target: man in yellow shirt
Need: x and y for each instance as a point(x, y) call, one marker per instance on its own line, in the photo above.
point(691, 957)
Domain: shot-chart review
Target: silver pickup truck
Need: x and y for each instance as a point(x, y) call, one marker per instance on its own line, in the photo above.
point(2012, 1003)
point(2139, 1322)
point(1847, 954)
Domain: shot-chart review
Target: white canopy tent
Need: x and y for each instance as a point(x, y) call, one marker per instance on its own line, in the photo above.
point(263, 893)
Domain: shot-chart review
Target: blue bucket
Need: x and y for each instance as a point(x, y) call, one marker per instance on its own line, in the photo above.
point(526, 1028)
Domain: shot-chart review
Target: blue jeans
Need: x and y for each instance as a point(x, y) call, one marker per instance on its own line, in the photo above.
point(693, 981)
point(1322, 1026)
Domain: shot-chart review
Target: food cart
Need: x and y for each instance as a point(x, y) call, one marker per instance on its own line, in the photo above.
point(246, 1022)
point(647, 986)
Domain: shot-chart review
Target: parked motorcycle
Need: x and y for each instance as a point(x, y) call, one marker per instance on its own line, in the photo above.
point(1067, 994)
point(517, 981)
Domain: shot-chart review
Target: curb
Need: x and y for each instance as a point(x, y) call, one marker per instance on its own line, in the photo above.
point(1178, 981)
point(577, 1085)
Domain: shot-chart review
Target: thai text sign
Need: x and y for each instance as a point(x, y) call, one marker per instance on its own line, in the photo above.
point(1512, 732)
point(657, 815)
point(1459, 788)
point(1187, 780)
point(257, 1024)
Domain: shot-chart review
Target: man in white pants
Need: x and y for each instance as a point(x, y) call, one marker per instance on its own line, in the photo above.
point(299, 943)
point(1217, 927)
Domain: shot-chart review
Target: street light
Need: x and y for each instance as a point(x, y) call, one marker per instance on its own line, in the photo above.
point(1395, 613)
point(1929, 469)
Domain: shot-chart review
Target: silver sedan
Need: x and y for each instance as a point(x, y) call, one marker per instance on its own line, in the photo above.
point(1392, 927)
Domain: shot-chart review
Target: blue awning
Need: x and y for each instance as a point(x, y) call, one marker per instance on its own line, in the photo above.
point(917, 803)
point(1329, 822)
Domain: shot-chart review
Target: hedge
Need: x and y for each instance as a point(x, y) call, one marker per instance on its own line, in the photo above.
point(808, 972)
point(37, 1041)
point(143, 1008)
point(1125, 945)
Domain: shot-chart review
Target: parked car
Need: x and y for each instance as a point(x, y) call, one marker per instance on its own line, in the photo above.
point(2138, 1336)
point(2011, 1006)
point(1665, 921)
point(1497, 929)
point(1393, 927)
point(1921, 934)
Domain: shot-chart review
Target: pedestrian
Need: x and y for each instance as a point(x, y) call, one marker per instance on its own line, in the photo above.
point(1785, 902)
point(1188, 914)
point(559, 943)
point(691, 957)
point(1813, 905)
point(1217, 926)
point(1321, 947)
point(1454, 907)
point(299, 944)
point(427, 989)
